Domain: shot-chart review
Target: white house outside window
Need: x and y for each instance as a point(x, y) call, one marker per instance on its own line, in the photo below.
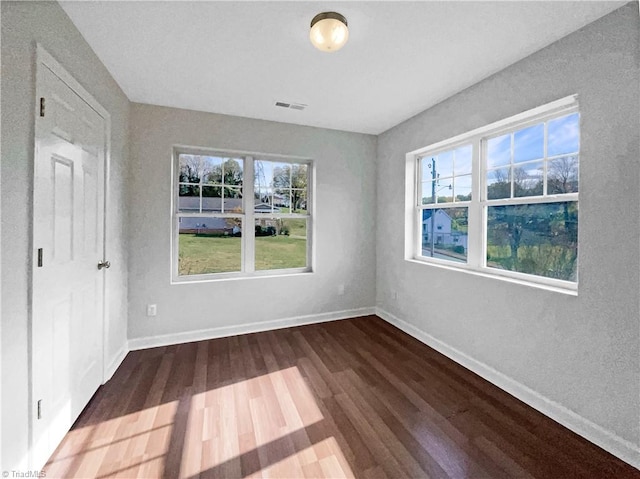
point(240, 215)
point(504, 199)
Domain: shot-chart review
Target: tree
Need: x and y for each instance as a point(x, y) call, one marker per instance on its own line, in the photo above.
point(292, 180)
point(459, 218)
point(542, 237)
point(505, 227)
point(562, 175)
point(227, 173)
point(501, 187)
point(525, 184)
point(232, 172)
point(189, 173)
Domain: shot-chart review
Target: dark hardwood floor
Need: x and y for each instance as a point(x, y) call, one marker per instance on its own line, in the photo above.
point(347, 398)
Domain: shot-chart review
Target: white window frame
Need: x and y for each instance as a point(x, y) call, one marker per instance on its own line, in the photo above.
point(443, 206)
point(248, 216)
point(479, 204)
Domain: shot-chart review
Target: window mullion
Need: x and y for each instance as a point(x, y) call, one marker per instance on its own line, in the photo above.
point(417, 202)
point(200, 183)
point(418, 182)
point(512, 168)
point(248, 228)
point(475, 229)
point(546, 161)
point(310, 225)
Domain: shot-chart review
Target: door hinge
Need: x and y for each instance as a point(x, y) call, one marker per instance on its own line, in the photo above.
point(39, 404)
point(39, 257)
point(42, 106)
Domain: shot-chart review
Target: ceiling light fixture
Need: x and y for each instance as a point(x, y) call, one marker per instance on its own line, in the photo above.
point(329, 31)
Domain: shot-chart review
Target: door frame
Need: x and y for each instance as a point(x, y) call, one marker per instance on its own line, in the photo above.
point(45, 60)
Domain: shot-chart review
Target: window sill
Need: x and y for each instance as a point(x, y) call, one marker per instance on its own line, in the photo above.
point(217, 277)
point(497, 276)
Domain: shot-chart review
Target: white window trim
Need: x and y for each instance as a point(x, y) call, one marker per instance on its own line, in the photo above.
point(476, 247)
point(248, 215)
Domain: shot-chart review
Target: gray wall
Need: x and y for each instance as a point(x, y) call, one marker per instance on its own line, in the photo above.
point(24, 24)
point(581, 352)
point(345, 212)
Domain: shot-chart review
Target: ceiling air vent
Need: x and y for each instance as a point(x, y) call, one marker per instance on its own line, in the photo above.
point(291, 106)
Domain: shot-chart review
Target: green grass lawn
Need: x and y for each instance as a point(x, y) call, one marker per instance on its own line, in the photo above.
point(280, 252)
point(297, 227)
point(548, 260)
point(207, 254)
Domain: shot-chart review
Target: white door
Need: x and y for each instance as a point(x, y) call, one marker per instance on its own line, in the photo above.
point(68, 242)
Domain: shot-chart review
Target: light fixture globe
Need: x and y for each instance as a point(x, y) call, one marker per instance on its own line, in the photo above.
point(329, 31)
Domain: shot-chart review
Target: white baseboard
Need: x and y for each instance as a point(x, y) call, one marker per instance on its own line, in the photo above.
point(619, 447)
point(212, 333)
point(115, 362)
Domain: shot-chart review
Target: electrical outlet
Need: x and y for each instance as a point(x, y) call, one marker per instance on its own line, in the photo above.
point(152, 309)
point(340, 289)
point(394, 295)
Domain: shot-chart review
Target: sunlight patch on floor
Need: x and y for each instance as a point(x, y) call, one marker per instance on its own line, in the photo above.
point(251, 423)
point(329, 462)
point(112, 445)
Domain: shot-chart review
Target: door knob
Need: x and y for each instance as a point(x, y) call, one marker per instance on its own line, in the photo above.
point(104, 264)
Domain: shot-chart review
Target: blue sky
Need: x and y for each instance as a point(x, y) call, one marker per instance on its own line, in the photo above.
point(563, 138)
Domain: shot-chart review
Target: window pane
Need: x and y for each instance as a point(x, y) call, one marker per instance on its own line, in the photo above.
point(281, 175)
point(528, 179)
point(439, 191)
point(263, 200)
point(232, 199)
point(428, 192)
point(232, 170)
point(189, 198)
point(562, 175)
point(444, 233)
point(189, 169)
point(263, 176)
point(262, 196)
point(443, 165)
point(463, 160)
point(299, 201)
point(212, 170)
point(462, 188)
point(444, 192)
point(212, 199)
point(528, 144)
point(426, 165)
point(539, 239)
point(280, 243)
point(282, 200)
point(499, 183)
point(283, 185)
point(564, 135)
point(499, 151)
point(209, 245)
point(299, 176)
point(219, 171)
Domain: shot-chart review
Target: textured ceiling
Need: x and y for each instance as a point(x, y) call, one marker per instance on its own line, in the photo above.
point(239, 58)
